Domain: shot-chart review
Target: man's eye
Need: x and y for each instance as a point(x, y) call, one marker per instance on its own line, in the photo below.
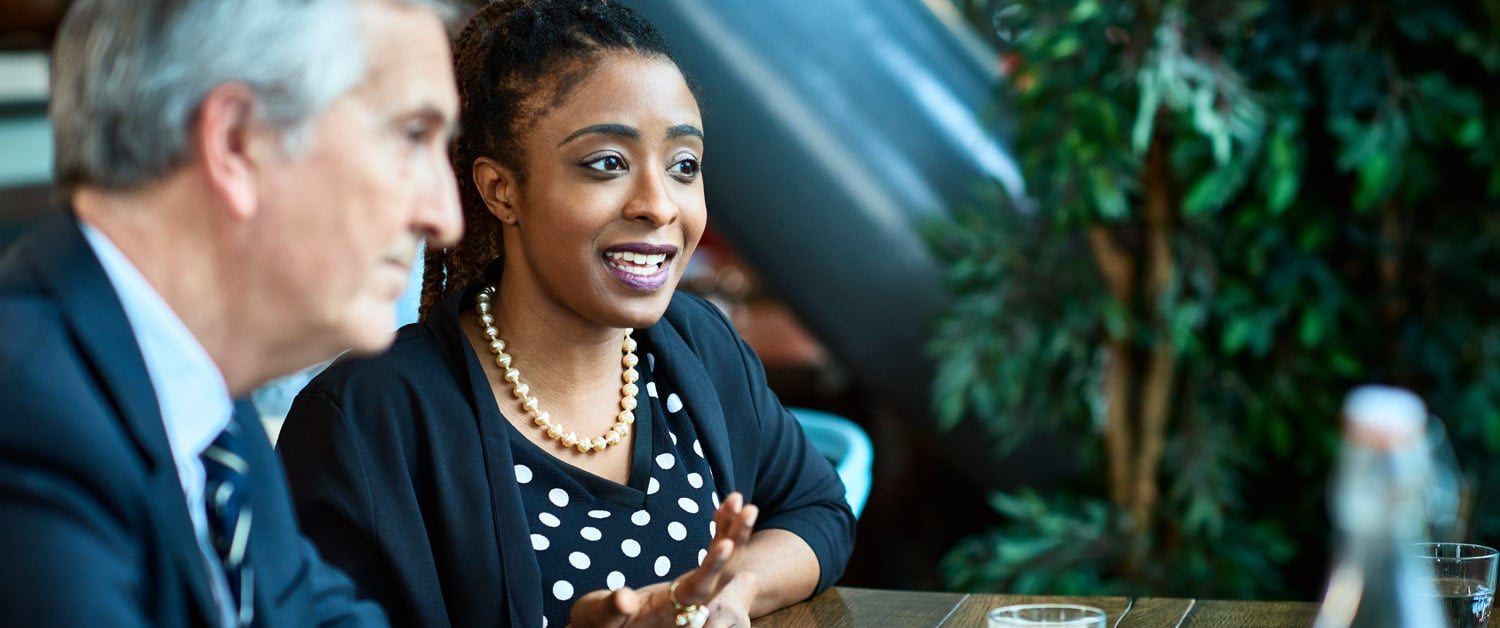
point(418, 133)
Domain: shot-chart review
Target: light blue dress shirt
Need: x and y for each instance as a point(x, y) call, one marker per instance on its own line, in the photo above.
point(190, 390)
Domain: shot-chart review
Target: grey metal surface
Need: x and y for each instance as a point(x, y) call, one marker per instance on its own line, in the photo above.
point(836, 127)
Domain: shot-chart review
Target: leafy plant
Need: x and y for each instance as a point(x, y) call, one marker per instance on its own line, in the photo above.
point(1237, 211)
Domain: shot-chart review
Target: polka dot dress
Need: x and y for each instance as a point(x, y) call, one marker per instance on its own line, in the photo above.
point(590, 533)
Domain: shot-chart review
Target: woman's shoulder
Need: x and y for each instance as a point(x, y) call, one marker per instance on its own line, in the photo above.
point(697, 320)
point(414, 360)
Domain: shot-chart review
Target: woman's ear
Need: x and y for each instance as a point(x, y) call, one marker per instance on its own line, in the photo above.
point(497, 186)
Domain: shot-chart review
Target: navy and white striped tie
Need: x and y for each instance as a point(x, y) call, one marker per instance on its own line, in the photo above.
point(227, 491)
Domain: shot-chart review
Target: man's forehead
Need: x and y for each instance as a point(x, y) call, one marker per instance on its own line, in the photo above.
point(408, 54)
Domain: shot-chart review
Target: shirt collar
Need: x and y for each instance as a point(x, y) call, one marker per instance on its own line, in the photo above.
point(190, 390)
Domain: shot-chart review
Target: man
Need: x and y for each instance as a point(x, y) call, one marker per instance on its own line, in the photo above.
point(248, 184)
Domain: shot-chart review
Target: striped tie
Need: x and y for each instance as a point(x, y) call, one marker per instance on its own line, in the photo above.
point(227, 492)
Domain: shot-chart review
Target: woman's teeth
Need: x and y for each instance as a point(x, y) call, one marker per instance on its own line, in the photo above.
point(636, 263)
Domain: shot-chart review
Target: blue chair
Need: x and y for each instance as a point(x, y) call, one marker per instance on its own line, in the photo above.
point(847, 446)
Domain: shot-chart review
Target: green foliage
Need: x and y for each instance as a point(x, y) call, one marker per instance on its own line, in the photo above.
point(1335, 174)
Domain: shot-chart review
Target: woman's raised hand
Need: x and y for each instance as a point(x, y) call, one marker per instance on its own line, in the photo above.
point(712, 595)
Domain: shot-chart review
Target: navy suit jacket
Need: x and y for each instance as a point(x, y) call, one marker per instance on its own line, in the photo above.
point(94, 529)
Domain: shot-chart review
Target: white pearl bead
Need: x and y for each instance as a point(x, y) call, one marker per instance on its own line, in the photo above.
point(626, 417)
point(511, 375)
point(522, 390)
point(570, 439)
point(628, 403)
point(543, 419)
point(529, 403)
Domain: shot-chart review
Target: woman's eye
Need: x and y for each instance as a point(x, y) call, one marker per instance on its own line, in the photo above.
point(687, 169)
point(607, 163)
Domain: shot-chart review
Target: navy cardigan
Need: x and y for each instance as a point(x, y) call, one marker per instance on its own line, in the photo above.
point(401, 468)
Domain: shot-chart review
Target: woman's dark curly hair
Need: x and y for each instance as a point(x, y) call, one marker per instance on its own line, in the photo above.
point(514, 60)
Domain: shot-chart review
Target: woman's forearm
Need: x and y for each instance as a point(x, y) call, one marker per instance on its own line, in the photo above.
point(774, 570)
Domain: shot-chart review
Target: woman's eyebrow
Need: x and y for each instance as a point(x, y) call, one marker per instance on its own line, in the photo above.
point(620, 130)
point(684, 130)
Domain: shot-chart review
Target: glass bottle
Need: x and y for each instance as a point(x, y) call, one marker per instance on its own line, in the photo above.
point(1378, 502)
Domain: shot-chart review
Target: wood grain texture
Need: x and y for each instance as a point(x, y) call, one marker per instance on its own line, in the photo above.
point(841, 607)
point(847, 607)
point(1211, 613)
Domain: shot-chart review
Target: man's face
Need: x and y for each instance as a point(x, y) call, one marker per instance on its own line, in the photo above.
point(341, 221)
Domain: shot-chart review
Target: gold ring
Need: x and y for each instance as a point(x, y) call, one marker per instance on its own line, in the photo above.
point(687, 614)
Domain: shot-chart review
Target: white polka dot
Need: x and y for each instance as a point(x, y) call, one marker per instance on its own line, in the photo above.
point(630, 547)
point(702, 554)
point(688, 505)
point(674, 403)
point(651, 361)
point(673, 436)
point(640, 518)
point(562, 590)
point(539, 542)
point(558, 496)
point(614, 580)
point(677, 531)
point(598, 514)
point(698, 448)
point(663, 565)
point(695, 480)
point(713, 529)
point(666, 461)
point(523, 473)
point(652, 487)
point(651, 388)
point(591, 533)
point(579, 560)
point(716, 500)
point(548, 519)
point(544, 621)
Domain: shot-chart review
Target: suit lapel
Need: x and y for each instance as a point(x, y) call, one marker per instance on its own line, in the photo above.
point(69, 271)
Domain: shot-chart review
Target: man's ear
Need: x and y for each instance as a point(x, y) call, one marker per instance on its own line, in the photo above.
point(498, 187)
point(224, 140)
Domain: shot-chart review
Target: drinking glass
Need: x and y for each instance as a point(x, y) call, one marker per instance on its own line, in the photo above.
point(1047, 615)
point(1465, 579)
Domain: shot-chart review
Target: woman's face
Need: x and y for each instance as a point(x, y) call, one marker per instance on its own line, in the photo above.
point(611, 206)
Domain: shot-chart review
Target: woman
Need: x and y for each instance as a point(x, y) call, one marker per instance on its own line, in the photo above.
point(562, 421)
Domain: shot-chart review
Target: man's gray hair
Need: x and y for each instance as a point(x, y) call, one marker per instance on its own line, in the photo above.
point(129, 76)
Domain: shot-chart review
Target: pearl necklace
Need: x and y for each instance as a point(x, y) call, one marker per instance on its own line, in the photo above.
point(522, 392)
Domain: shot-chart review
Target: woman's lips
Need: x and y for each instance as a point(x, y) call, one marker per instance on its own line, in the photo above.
point(641, 266)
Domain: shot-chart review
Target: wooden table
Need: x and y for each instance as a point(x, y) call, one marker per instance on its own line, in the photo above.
point(880, 608)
